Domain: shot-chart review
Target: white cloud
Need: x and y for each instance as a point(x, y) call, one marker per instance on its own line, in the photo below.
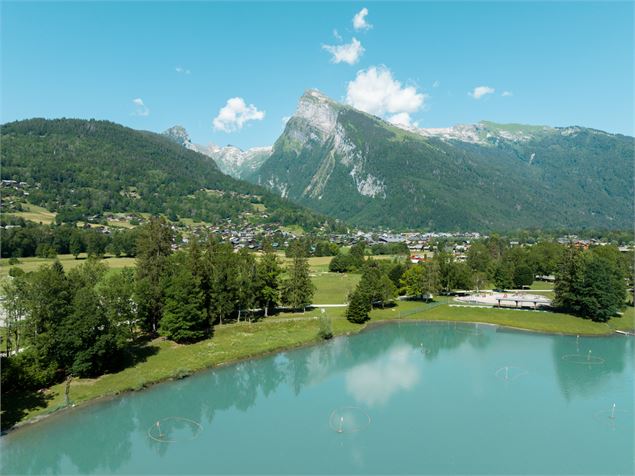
point(507, 94)
point(359, 20)
point(346, 53)
point(181, 70)
point(376, 91)
point(235, 114)
point(402, 119)
point(480, 91)
point(336, 35)
point(140, 108)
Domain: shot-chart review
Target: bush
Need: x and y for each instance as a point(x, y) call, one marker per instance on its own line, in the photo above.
point(326, 328)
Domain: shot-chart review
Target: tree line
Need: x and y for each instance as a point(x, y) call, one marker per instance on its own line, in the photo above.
point(588, 283)
point(25, 239)
point(90, 320)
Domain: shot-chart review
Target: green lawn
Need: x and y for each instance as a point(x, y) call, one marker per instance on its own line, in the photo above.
point(333, 288)
point(68, 261)
point(35, 213)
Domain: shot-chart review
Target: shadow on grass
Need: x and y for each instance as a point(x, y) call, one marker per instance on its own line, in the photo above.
point(136, 353)
point(17, 404)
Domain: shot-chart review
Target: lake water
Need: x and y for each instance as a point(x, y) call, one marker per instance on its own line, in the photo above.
point(401, 398)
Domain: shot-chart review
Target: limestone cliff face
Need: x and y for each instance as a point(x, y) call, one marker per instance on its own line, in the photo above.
point(357, 167)
point(317, 138)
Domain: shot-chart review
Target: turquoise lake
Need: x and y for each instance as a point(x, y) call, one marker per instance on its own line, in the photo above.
point(400, 398)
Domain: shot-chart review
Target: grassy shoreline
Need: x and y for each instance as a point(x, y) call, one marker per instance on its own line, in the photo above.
point(232, 343)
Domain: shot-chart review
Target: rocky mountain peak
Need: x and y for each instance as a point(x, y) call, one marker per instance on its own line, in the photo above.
point(179, 135)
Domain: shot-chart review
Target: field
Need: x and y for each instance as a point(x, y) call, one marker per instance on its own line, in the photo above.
point(68, 261)
point(35, 213)
point(333, 288)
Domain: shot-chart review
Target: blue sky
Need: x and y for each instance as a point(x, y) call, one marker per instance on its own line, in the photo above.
point(560, 64)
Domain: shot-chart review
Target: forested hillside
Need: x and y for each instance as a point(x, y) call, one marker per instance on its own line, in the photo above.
point(81, 168)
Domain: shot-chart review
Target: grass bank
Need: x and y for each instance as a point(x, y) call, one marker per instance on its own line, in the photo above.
point(160, 360)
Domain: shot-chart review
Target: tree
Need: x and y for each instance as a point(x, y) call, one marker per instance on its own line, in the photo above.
point(14, 294)
point(219, 263)
point(117, 293)
point(269, 271)
point(358, 307)
point(298, 289)
point(569, 280)
point(48, 303)
point(504, 275)
point(96, 243)
point(154, 245)
point(184, 317)
point(357, 253)
point(421, 280)
point(523, 276)
point(246, 279)
point(76, 245)
point(603, 289)
point(590, 285)
point(388, 290)
point(88, 342)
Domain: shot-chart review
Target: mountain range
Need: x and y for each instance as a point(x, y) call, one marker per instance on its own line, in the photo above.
point(351, 165)
point(231, 160)
point(334, 160)
point(80, 168)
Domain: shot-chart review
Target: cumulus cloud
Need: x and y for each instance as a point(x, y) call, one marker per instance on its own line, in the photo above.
point(181, 70)
point(480, 91)
point(402, 119)
point(346, 53)
point(376, 91)
point(233, 116)
point(507, 94)
point(359, 20)
point(140, 108)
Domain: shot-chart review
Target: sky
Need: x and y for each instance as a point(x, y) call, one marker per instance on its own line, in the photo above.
point(232, 73)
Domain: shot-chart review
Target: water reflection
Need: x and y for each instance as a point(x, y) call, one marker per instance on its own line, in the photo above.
point(577, 378)
point(372, 368)
point(375, 382)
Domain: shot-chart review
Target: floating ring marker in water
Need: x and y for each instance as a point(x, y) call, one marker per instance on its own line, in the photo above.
point(349, 420)
point(583, 359)
point(614, 416)
point(160, 430)
point(509, 373)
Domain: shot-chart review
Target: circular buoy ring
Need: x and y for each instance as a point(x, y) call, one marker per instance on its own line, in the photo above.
point(159, 431)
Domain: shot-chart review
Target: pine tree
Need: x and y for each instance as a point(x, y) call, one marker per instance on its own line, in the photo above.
point(298, 289)
point(154, 245)
point(358, 307)
point(184, 317)
point(269, 271)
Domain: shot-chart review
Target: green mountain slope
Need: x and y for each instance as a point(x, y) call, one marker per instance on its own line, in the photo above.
point(354, 166)
point(85, 167)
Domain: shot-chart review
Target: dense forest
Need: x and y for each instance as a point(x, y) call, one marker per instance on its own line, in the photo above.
point(83, 168)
